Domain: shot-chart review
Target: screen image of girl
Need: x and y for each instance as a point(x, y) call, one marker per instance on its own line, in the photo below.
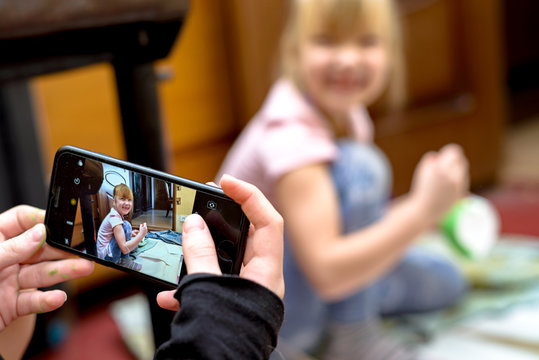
point(115, 240)
point(138, 225)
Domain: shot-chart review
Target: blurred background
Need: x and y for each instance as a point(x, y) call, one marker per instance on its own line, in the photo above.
point(471, 73)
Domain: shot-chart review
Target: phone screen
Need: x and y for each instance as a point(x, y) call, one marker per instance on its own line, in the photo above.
point(130, 217)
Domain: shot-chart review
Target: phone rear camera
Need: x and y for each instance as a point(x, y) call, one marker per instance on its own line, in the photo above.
point(212, 205)
point(76, 181)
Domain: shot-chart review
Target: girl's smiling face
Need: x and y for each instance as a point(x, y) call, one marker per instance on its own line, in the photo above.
point(122, 204)
point(344, 52)
point(340, 71)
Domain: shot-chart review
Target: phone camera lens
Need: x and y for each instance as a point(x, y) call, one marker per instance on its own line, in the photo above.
point(212, 205)
point(76, 181)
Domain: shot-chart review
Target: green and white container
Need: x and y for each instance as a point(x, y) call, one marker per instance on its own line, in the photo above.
point(472, 227)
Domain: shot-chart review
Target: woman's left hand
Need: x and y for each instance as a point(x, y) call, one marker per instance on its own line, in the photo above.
point(26, 263)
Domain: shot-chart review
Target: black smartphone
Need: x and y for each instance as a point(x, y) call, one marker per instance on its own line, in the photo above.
point(130, 217)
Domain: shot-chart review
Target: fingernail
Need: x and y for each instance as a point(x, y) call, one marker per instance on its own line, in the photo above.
point(41, 215)
point(193, 222)
point(37, 216)
point(38, 232)
point(228, 176)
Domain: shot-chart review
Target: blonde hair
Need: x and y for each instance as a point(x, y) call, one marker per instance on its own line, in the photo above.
point(122, 190)
point(340, 17)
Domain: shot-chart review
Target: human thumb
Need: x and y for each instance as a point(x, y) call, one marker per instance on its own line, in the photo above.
point(198, 247)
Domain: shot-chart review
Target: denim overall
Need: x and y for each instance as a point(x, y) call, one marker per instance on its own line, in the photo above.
point(419, 282)
point(115, 250)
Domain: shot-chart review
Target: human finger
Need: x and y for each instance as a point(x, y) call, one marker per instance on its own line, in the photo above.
point(451, 154)
point(198, 247)
point(16, 250)
point(452, 148)
point(166, 300)
point(18, 219)
point(454, 162)
point(46, 253)
point(37, 301)
point(263, 259)
point(255, 205)
point(423, 167)
point(48, 273)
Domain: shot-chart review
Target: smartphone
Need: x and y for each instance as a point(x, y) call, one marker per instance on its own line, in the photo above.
point(141, 235)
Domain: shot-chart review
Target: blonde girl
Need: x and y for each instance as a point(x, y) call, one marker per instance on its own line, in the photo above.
point(348, 254)
point(114, 241)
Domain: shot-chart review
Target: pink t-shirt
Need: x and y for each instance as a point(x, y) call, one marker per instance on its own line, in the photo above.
point(106, 230)
point(286, 134)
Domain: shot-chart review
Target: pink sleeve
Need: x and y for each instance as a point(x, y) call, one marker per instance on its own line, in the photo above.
point(115, 220)
point(290, 146)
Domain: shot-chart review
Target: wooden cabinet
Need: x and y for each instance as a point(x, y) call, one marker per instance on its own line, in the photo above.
point(522, 58)
point(454, 62)
point(80, 107)
point(184, 200)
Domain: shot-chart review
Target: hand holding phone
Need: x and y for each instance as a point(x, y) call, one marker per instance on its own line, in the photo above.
point(263, 260)
point(26, 263)
point(96, 201)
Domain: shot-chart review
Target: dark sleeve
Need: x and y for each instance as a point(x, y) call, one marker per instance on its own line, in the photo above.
point(223, 317)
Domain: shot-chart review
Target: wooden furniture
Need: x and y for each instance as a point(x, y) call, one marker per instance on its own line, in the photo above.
point(48, 36)
point(80, 106)
point(39, 43)
point(454, 56)
point(184, 200)
point(455, 86)
point(522, 58)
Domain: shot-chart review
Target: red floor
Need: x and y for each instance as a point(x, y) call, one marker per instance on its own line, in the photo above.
point(518, 207)
point(93, 337)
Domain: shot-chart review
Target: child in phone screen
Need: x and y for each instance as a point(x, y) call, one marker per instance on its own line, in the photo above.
point(348, 254)
point(114, 239)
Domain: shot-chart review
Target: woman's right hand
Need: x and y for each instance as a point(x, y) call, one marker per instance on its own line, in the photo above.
point(263, 260)
point(440, 179)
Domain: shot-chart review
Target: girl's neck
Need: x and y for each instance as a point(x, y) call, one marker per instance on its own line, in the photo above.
point(339, 123)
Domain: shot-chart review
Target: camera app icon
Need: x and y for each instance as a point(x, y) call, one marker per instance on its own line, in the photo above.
point(212, 205)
